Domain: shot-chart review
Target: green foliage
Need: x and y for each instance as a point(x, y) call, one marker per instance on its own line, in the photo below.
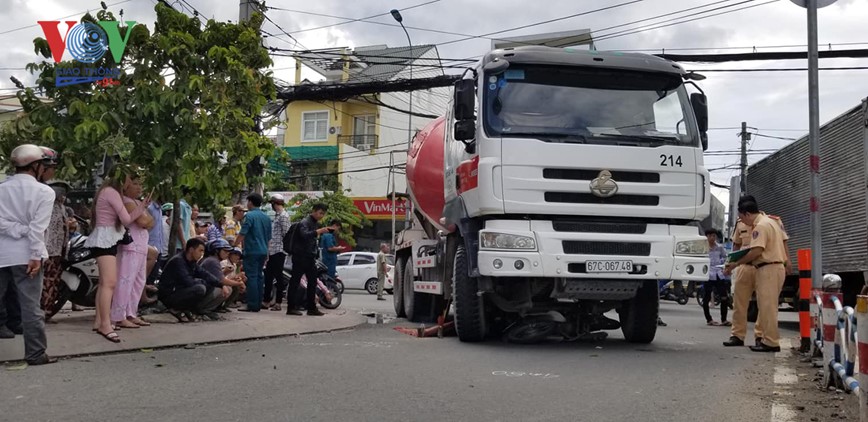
point(340, 207)
point(184, 110)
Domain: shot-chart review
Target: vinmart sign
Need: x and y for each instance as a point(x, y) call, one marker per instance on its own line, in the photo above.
point(380, 208)
point(86, 43)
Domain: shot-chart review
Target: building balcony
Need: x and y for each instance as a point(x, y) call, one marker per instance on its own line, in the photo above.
point(360, 142)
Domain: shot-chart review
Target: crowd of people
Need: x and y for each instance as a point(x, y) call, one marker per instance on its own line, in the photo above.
point(232, 263)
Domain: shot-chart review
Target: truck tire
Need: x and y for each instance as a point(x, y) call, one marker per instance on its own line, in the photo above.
point(752, 311)
point(469, 306)
point(638, 316)
point(398, 297)
point(407, 287)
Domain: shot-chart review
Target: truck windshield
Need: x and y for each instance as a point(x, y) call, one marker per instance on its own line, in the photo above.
point(593, 105)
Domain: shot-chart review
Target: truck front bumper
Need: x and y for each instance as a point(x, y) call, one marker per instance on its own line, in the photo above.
point(552, 260)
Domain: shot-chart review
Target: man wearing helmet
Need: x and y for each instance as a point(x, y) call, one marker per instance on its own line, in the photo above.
point(25, 212)
point(218, 251)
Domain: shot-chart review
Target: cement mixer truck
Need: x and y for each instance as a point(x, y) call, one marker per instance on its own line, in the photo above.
point(561, 185)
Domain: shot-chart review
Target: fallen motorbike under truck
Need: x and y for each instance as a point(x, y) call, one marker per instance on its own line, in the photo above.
point(561, 185)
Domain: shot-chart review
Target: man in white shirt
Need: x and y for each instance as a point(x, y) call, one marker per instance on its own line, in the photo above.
point(25, 212)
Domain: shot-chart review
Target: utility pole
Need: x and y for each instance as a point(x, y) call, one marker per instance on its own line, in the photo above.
point(246, 9)
point(745, 137)
point(814, 138)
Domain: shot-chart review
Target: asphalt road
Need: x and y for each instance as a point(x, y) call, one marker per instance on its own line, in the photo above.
point(374, 373)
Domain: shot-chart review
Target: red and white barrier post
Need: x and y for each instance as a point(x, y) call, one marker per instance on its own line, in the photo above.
point(830, 325)
point(862, 347)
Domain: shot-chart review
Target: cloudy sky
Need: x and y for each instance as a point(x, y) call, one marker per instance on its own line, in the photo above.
point(775, 103)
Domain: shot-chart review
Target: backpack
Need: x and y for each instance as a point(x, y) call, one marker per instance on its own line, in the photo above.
point(289, 237)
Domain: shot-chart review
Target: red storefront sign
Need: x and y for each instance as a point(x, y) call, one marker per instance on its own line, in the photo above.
point(380, 208)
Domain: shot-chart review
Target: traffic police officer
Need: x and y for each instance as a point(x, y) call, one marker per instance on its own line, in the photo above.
point(744, 282)
point(768, 257)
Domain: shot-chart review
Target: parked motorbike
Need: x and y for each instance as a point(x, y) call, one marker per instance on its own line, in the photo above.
point(332, 285)
point(80, 277)
point(667, 292)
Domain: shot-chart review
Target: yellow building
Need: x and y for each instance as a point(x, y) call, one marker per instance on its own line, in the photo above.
point(351, 143)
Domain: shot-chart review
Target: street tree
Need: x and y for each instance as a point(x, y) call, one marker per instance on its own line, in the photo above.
point(185, 110)
point(339, 206)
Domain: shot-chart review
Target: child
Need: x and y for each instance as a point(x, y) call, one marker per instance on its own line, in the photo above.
point(232, 266)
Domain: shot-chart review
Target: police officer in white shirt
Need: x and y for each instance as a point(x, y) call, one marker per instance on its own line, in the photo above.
point(25, 212)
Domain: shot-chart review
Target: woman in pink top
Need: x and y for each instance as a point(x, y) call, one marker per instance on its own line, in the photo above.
point(109, 218)
point(131, 263)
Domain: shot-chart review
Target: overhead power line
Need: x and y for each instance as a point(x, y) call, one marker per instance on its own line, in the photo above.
point(541, 22)
point(774, 137)
point(754, 48)
point(787, 69)
point(770, 55)
point(675, 21)
point(347, 20)
point(61, 18)
point(362, 170)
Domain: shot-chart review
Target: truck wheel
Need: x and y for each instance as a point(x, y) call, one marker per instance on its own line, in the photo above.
point(469, 306)
point(407, 286)
point(752, 311)
point(398, 297)
point(638, 316)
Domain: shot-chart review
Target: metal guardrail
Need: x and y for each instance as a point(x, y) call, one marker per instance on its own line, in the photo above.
point(843, 362)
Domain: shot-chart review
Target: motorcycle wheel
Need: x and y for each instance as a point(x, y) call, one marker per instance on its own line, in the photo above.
point(340, 286)
point(683, 300)
point(337, 297)
point(63, 295)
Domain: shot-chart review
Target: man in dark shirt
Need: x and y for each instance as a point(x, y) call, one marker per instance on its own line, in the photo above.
point(304, 252)
point(185, 286)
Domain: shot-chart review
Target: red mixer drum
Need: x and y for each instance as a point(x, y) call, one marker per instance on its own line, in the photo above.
point(425, 171)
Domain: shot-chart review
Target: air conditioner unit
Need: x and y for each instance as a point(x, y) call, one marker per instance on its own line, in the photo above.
point(335, 130)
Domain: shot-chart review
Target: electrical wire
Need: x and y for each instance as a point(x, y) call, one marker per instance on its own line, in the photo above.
point(754, 48)
point(540, 23)
point(788, 69)
point(694, 17)
point(775, 137)
point(363, 170)
point(348, 20)
point(64, 17)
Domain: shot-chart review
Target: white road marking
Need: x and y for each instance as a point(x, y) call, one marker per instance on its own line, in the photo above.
point(782, 413)
point(784, 377)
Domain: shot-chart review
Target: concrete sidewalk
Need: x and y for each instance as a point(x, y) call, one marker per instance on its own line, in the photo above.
point(69, 333)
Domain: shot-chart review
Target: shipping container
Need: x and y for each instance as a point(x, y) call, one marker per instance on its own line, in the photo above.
point(781, 184)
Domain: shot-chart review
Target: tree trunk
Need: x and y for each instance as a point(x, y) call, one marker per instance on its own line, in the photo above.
point(173, 231)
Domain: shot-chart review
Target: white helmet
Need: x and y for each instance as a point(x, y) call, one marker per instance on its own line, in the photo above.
point(278, 198)
point(27, 154)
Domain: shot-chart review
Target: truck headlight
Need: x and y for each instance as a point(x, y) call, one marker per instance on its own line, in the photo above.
point(692, 247)
point(489, 240)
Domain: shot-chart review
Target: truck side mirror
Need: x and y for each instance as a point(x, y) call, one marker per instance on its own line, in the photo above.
point(464, 99)
point(465, 130)
point(700, 109)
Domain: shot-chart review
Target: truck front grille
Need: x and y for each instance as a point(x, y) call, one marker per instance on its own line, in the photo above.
point(582, 247)
point(587, 198)
point(599, 227)
point(618, 176)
